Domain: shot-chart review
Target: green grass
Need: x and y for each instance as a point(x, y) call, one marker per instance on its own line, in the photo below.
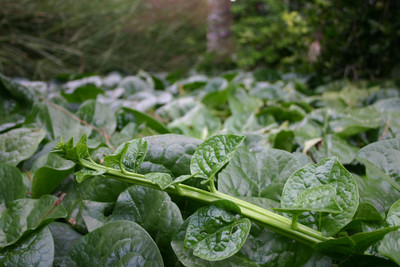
point(40, 39)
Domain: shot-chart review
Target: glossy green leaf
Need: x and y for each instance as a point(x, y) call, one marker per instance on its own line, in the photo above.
point(19, 144)
point(257, 174)
point(170, 153)
point(283, 140)
point(262, 248)
point(49, 171)
point(243, 122)
point(11, 185)
point(371, 188)
point(17, 90)
point(130, 154)
point(334, 146)
point(64, 236)
point(367, 212)
point(393, 216)
point(241, 102)
point(98, 115)
point(327, 172)
point(163, 180)
point(119, 243)
point(143, 118)
point(320, 198)
point(355, 244)
point(73, 152)
point(96, 189)
point(87, 173)
point(216, 234)
point(282, 113)
point(83, 93)
point(58, 124)
point(384, 155)
point(93, 213)
point(213, 154)
point(24, 215)
point(154, 211)
point(198, 122)
point(176, 108)
point(35, 249)
point(390, 245)
point(355, 121)
point(390, 112)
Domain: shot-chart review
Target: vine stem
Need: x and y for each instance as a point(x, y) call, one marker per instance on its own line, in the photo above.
point(269, 219)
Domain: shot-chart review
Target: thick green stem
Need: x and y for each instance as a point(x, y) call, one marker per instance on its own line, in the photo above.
point(262, 216)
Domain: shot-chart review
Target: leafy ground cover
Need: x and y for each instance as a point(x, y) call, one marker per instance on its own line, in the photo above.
point(148, 170)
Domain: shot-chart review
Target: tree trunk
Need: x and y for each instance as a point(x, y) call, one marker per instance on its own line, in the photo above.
point(219, 34)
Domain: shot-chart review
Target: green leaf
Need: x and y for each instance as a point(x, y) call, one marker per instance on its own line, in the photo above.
point(283, 140)
point(83, 93)
point(133, 84)
point(390, 112)
point(367, 212)
point(19, 144)
point(163, 180)
point(385, 156)
point(64, 236)
point(213, 154)
point(99, 115)
point(292, 113)
point(11, 185)
point(154, 211)
point(262, 248)
point(58, 124)
point(130, 154)
point(334, 146)
point(366, 260)
point(327, 172)
point(84, 174)
point(393, 216)
point(176, 108)
point(257, 174)
point(390, 245)
point(17, 90)
point(49, 171)
point(93, 213)
point(241, 102)
point(25, 215)
point(216, 234)
point(243, 122)
point(119, 243)
point(170, 153)
point(354, 121)
point(96, 189)
point(142, 118)
point(321, 198)
point(355, 244)
point(35, 249)
point(371, 188)
point(198, 122)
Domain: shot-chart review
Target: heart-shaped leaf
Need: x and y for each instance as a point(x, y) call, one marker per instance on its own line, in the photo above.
point(215, 234)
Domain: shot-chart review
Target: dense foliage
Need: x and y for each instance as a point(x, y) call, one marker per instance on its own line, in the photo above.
point(335, 39)
point(148, 170)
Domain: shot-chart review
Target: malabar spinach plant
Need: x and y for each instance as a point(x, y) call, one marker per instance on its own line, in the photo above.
point(223, 171)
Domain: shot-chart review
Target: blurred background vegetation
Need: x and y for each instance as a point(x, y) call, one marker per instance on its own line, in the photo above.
point(357, 39)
